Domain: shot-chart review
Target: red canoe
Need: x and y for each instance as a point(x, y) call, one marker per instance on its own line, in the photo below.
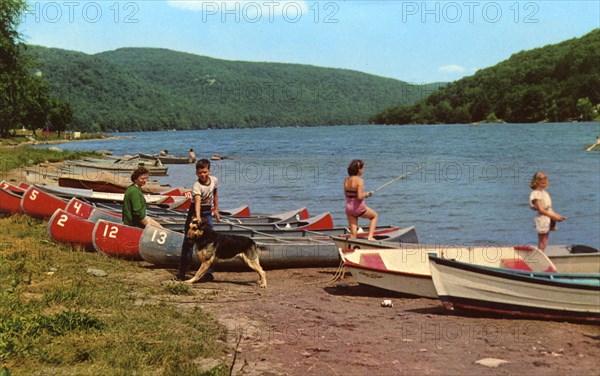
point(79, 208)
point(84, 210)
point(319, 222)
point(242, 211)
point(10, 187)
point(117, 240)
point(10, 202)
point(65, 227)
point(39, 204)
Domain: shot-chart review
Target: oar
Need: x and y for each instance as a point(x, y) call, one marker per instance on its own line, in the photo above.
point(400, 177)
point(592, 146)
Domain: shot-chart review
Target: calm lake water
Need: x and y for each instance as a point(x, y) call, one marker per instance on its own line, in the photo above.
point(473, 187)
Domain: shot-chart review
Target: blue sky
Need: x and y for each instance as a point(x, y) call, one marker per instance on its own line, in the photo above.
point(413, 41)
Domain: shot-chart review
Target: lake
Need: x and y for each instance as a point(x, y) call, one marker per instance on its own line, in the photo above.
point(472, 188)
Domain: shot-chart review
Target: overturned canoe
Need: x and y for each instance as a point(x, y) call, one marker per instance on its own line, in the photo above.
point(64, 227)
point(117, 240)
point(39, 204)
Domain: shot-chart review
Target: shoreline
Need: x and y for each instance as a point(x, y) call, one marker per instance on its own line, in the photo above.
point(54, 142)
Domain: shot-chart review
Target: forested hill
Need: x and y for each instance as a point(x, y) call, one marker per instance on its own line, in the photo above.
point(134, 89)
point(555, 83)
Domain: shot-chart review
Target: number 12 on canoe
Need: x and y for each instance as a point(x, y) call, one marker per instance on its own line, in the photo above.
point(117, 240)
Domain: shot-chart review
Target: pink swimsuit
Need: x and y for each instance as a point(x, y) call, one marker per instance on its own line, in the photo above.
point(354, 206)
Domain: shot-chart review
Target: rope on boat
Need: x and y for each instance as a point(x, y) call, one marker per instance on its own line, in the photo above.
point(339, 275)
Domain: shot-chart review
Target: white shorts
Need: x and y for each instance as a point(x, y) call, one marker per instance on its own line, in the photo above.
point(542, 224)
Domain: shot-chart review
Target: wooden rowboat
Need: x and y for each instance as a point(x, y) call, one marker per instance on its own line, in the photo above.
point(104, 181)
point(64, 227)
point(117, 240)
point(529, 294)
point(406, 269)
point(90, 168)
point(169, 159)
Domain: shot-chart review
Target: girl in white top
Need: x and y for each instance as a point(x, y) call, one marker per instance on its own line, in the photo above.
point(540, 201)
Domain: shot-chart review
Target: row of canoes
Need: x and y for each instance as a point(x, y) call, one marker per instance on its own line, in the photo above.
point(92, 221)
point(518, 280)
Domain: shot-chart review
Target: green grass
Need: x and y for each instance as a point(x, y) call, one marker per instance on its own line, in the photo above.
point(55, 318)
point(20, 136)
point(19, 157)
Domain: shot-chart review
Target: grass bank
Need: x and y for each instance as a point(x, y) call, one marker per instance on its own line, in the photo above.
point(20, 137)
point(58, 318)
point(23, 156)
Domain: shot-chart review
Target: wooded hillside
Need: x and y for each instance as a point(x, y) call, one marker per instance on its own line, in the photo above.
point(554, 83)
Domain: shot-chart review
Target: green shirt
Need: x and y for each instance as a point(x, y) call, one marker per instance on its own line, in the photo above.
point(134, 206)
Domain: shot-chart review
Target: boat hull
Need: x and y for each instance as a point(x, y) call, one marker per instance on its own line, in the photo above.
point(10, 202)
point(40, 204)
point(64, 227)
point(162, 247)
point(574, 258)
point(117, 240)
point(406, 269)
point(470, 287)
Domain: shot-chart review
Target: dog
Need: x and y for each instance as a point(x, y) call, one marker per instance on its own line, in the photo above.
point(211, 245)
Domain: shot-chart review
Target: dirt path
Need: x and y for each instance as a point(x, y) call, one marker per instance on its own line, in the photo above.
point(303, 326)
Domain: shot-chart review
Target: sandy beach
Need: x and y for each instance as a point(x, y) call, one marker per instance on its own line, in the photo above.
point(304, 324)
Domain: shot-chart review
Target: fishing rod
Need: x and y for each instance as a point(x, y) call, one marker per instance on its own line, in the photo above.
point(403, 176)
point(584, 215)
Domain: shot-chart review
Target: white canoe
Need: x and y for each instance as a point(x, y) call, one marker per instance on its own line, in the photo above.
point(406, 269)
point(566, 258)
point(104, 196)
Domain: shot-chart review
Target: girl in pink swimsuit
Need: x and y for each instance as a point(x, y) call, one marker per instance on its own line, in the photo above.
point(355, 196)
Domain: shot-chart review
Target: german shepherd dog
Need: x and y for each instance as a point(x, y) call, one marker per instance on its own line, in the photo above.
point(210, 246)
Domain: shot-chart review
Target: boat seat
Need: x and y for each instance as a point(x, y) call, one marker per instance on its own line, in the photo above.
point(372, 261)
point(515, 264)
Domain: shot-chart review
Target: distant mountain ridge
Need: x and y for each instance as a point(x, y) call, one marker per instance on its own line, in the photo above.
point(558, 82)
point(135, 89)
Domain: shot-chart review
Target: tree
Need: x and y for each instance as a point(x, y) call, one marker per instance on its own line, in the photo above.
point(585, 109)
point(35, 103)
point(12, 68)
point(61, 114)
point(553, 112)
